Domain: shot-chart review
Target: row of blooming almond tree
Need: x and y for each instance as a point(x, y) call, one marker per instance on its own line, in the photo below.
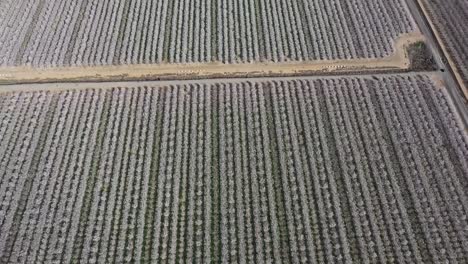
point(90, 32)
point(345, 169)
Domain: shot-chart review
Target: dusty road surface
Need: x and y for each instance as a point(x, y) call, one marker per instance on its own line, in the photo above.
point(398, 61)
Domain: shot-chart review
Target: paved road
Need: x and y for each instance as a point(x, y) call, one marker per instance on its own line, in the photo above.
point(446, 72)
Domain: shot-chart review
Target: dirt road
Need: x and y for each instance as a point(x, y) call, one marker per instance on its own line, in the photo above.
point(398, 61)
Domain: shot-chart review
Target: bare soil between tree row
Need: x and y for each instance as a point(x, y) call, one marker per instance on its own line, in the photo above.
point(25, 74)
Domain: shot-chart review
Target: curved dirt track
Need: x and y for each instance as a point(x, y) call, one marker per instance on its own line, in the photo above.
point(398, 61)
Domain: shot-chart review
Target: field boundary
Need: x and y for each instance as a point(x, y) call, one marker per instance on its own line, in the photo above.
point(74, 86)
point(398, 61)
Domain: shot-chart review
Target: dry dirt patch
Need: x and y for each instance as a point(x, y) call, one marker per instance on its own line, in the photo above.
point(398, 61)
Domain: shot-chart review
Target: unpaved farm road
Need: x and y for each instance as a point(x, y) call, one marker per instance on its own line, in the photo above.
point(398, 61)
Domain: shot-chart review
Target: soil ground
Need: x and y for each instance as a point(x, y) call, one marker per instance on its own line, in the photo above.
point(398, 61)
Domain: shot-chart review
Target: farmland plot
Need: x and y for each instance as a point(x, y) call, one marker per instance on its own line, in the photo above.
point(450, 19)
point(363, 169)
point(120, 32)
